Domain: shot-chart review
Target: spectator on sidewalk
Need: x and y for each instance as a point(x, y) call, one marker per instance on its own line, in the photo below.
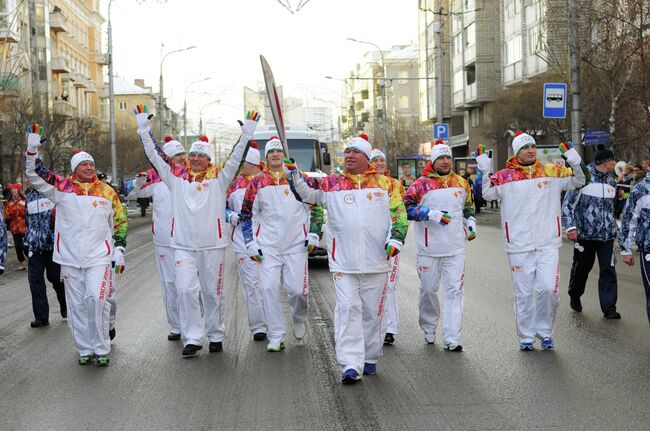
point(588, 217)
point(39, 242)
point(14, 213)
point(3, 244)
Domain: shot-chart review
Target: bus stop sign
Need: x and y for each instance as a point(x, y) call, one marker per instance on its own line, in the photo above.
point(554, 100)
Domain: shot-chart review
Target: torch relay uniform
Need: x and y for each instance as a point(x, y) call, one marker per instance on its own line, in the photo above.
point(441, 248)
point(390, 322)
point(90, 227)
point(365, 216)
point(635, 225)
point(283, 225)
point(197, 231)
point(247, 268)
point(532, 234)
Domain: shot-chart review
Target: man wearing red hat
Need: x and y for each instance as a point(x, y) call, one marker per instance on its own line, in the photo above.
point(440, 203)
point(198, 197)
point(530, 193)
point(248, 269)
point(161, 229)
point(279, 244)
point(90, 236)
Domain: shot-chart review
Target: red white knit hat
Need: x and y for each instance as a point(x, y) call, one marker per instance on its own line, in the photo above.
point(521, 140)
point(172, 147)
point(377, 153)
point(273, 143)
point(253, 156)
point(201, 146)
point(440, 149)
point(80, 157)
point(361, 144)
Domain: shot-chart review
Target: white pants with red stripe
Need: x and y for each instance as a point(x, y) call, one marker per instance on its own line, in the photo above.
point(167, 273)
point(113, 303)
point(450, 270)
point(357, 319)
point(535, 280)
point(200, 273)
point(87, 292)
point(248, 271)
point(391, 313)
point(292, 268)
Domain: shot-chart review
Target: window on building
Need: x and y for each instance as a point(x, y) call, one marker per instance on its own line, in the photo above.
point(122, 106)
point(513, 50)
point(470, 75)
point(470, 34)
point(474, 117)
point(403, 74)
point(403, 102)
point(536, 39)
point(512, 8)
point(458, 44)
point(470, 5)
point(458, 80)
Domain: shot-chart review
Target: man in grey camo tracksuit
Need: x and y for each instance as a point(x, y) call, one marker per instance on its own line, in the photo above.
point(588, 217)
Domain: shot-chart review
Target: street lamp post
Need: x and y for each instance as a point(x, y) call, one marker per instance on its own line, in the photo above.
point(383, 92)
point(111, 97)
point(354, 115)
point(161, 112)
point(185, 108)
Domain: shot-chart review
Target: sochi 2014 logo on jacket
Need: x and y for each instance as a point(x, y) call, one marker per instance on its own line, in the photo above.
point(348, 198)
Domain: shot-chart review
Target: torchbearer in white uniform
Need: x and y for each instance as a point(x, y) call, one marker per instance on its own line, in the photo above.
point(440, 203)
point(198, 196)
point(366, 226)
point(89, 237)
point(530, 193)
point(248, 269)
point(161, 230)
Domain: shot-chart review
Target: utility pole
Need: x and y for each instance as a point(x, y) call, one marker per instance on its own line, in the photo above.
point(440, 65)
point(574, 77)
point(111, 97)
point(185, 122)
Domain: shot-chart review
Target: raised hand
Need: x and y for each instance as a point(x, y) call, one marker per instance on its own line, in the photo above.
point(248, 128)
point(142, 116)
point(570, 153)
point(34, 137)
point(483, 161)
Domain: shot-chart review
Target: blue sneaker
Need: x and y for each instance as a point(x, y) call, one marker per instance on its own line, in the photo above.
point(350, 377)
point(369, 369)
point(526, 345)
point(547, 343)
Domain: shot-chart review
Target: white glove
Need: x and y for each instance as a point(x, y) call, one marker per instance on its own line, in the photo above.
point(234, 218)
point(289, 167)
point(392, 247)
point(255, 252)
point(312, 241)
point(483, 161)
point(118, 260)
point(250, 124)
point(142, 117)
point(441, 217)
point(34, 138)
point(570, 154)
point(471, 228)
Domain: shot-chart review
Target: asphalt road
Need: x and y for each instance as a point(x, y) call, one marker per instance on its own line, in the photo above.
point(597, 378)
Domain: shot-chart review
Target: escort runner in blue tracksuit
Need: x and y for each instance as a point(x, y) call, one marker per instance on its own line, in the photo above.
point(588, 217)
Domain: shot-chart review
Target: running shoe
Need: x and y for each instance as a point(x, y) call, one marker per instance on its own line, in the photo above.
point(275, 347)
point(547, 343)
point(369, 369)
point(191, 349)
point(102, 360)
point(526, 345)
point(429, 337)
point(350, 377)
point(84, 360)
point(299, 330)
point(389, 339)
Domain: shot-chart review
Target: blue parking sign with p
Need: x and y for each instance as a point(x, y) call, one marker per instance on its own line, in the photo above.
point(441, 131)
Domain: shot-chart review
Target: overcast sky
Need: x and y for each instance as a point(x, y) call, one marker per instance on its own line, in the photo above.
point(230, 35)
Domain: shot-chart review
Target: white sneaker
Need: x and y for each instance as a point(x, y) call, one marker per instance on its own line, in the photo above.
point(299, 330)
point(429, 337)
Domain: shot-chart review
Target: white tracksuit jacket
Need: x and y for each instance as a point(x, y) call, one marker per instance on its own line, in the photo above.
point(161, 220)
point(532, 234)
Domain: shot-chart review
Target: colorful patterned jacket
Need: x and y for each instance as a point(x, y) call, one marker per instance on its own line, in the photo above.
point(40, 222)
point(283, 222)
point(15, 215)
point(590, 209)
point(161, 220)
point(635, 224)
point(90, 219)
point(530, 202)
point(363, 212)
point(450, 193)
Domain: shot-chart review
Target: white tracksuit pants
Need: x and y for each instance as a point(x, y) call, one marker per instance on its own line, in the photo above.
point(167, 274)
point(390, 320)
point(113, 303)
point(87, 292)
point(451, 270)
point(535, 280)
point(293, 270)
point(248, 271)
point(200, 273)
point(357, 318)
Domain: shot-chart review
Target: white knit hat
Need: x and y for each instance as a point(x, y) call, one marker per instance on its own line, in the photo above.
point(253, 156)
point(361, 144)
point(377, 153)
point(201, 147)
point(521, 140)
point(80, 157)
point(440, 150)
point(172, 147)
point(273, 144)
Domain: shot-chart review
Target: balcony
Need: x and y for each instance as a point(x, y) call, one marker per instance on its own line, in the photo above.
point(470, 93)
point(61, 107)
point(9, 85)
point(100, 58)
point(8, 35)
point(103, 92)
point(91, 87)
point(60, 65)
point(67, 76)
point(59, 23)
point(79, 80)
